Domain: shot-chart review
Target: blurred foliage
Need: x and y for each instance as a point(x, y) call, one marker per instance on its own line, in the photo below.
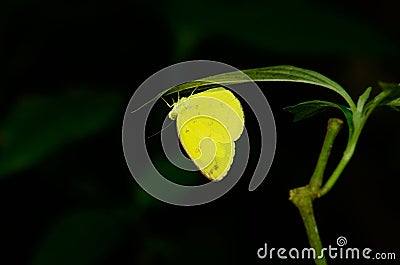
point(295, 27)
point(80, 239)
point(40, 125)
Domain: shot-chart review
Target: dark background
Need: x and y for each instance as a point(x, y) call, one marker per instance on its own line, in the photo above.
point(68, 72)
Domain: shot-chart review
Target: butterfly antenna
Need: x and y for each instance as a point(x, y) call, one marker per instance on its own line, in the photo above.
point(160, 130)
point(170, 106)
point(194, 90)
point(148, 102)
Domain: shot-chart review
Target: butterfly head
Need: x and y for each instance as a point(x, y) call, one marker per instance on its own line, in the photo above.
point(173, 113)
point(176, 108)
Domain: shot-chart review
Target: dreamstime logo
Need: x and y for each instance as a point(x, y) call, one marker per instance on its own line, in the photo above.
point(133, 136)
point(341, 241)
point(333, 252)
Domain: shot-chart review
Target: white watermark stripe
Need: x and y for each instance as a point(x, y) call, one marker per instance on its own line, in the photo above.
point(134, 145)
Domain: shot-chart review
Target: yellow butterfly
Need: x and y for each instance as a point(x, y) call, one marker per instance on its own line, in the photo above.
point(208, 125)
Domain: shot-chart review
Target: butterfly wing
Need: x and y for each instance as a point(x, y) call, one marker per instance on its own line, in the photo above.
point(208, 124)
point(205, 141)
point(224, 106)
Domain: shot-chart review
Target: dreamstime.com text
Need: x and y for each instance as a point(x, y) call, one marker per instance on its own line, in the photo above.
point(332, 252)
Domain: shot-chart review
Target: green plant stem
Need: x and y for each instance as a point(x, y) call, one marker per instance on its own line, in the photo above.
point(303, 197)
point(338, 170)
point(347, 155)
point(334, 126)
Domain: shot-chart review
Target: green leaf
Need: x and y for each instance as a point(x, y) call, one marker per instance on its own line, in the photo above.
point(284, 73)
point(390, 96)
point(393, 99)
point(361, 114)
point(389, 93)
point(41, 125)
point(81, 239)
point(389, 86)
point(308, 109)
point(395, 104)
point(363, 99)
